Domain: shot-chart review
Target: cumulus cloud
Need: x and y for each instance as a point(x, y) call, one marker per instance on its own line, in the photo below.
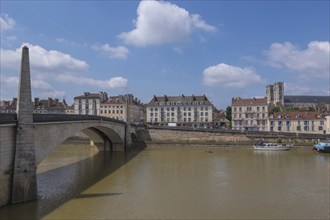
point(42, 60)
point(160, 22)
point(315, 59)
point(113, 83)
point(230, 76)
point(119, 52)
point(6, 22)
point(44, 88)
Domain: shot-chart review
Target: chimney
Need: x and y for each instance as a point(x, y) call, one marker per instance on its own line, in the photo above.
point(36, 102)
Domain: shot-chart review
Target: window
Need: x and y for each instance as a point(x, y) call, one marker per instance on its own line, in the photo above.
point(271, 123)
point(287, 123)
point(305, 128)
point(258, 108)
point(279, 128)
point(320, 128)
point(321, 122)
point(298, 128)
point(306, 123)
point(287, 128)
point(279, 123)
point(151, 114)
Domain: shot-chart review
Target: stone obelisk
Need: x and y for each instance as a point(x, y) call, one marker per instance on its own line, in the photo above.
point(24, 184)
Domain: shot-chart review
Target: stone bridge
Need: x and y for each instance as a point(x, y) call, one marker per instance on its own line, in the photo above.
point(27, 139)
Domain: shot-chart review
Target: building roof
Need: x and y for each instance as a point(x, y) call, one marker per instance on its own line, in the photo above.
point(183, 99)
point(296, 116)
point(306, 99)
point(88, 95)
point(249, 102)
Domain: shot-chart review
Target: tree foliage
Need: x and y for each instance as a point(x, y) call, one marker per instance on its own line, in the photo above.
point(228, 113)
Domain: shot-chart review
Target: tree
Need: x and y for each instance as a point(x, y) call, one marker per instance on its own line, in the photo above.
point(228, 113)
point(276, 109)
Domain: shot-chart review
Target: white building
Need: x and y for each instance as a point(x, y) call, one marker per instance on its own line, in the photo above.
point(190, 111)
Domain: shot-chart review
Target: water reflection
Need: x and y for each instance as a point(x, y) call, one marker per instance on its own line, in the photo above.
point(185, 183)
point(56, 186)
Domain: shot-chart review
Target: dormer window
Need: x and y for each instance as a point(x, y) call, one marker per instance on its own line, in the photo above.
point(279, 116)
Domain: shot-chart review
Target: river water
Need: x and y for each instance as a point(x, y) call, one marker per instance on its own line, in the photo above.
point(76, 182)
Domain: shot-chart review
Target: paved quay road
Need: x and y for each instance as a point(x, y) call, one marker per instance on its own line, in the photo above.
point(75, 182)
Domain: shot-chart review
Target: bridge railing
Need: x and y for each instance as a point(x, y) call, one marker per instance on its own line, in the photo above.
point(11, 118)
point(8, 118)
point(68, 117)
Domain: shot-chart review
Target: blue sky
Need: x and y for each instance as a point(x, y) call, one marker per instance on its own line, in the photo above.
point(222, 49)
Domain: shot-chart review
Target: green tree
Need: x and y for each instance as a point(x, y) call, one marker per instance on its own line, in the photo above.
point(228, 113)
point(276, 109)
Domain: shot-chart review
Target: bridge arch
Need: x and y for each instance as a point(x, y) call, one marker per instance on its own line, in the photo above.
point(105, 135)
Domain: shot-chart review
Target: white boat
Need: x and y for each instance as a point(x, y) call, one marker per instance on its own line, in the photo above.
point(272, 146)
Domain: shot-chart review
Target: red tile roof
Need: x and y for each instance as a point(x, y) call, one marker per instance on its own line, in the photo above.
point(249, 102)
point(296, 116)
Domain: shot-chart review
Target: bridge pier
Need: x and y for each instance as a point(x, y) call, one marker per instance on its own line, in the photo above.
point(24, 182)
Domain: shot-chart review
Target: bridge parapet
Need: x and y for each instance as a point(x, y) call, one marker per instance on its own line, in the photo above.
point(37, 118)
point(8, 118)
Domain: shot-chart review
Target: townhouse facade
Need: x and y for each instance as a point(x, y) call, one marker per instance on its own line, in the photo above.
point(298, 122)
point(188, 111)
point(89, 103)
point(123, 107)
point(249, 114)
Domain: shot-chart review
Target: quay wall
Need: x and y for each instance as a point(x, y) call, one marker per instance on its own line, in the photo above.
point(226, 137)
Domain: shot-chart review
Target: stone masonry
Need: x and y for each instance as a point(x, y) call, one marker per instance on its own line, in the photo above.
point(24, 186)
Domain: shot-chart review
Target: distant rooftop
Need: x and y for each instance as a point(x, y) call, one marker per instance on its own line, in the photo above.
point(182, 99)
point(306, 99)
point(249, 102)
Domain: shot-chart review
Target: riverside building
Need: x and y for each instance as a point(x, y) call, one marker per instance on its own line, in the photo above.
point(89, 103)
point(298, 122)
point(249, 114)
point(122, 107)
point(189, 111)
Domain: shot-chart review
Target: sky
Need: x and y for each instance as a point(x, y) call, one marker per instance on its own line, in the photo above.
point(219, 48)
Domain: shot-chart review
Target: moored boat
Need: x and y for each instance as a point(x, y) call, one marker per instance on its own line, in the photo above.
point(272, 146)
point(323, 147)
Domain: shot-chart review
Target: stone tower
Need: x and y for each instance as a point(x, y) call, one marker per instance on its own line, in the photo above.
point(270, 94)
point(279, 93)
point(24, 186)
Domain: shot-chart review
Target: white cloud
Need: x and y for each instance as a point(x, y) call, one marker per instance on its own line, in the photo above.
point(230, 76)
point(10, 83)
point(113, 83)
point(313, 60)
point(44, 61)
point(198, 22)
point(160, 22)
point(119, 52)
point(6, 22)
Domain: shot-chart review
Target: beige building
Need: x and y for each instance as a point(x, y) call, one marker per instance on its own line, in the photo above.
point(190, 111)
point(122, 107)
point(89, 103)
point(249, 114)
point(298, 122)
